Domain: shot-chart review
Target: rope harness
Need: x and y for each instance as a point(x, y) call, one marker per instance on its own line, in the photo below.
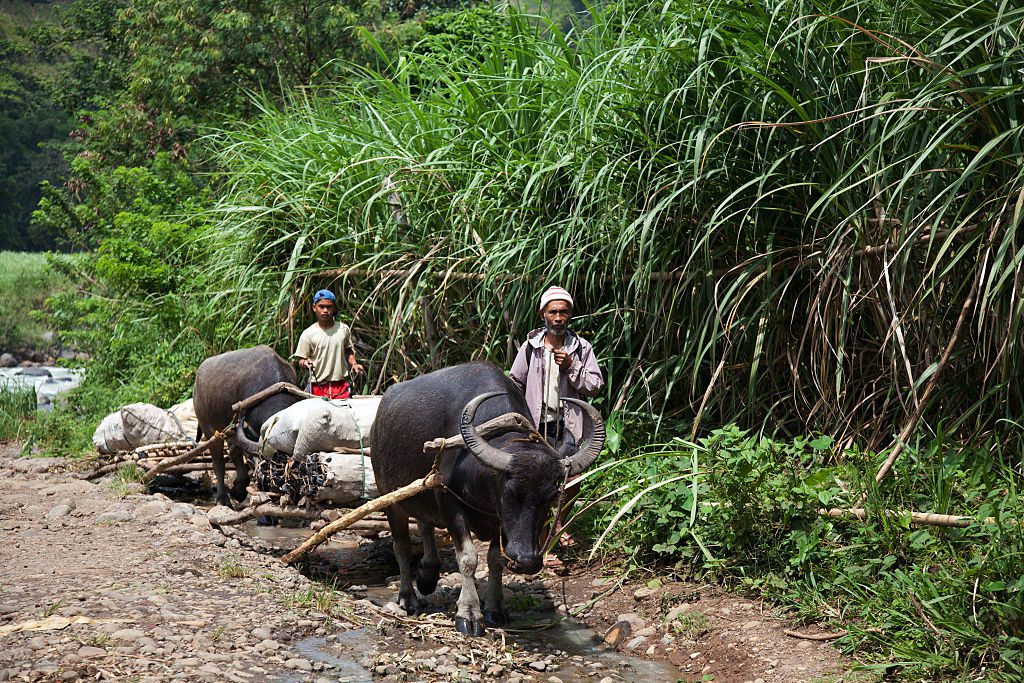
point(513, 564)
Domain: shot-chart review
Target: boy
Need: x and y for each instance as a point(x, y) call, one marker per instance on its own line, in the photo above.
point(325, 350)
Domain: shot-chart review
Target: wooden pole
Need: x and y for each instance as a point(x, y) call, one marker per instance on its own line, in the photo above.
point(926, 518)
point(181, 459)
point(431, 481)
point(260, 396)
point(499, 425)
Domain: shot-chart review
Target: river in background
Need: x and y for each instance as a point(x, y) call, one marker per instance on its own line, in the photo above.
point(47, 381)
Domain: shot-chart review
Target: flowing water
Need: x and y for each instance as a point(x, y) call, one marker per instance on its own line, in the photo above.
point(367, 569)
point(47, 381)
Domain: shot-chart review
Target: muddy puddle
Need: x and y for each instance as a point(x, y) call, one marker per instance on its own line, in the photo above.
point(365, 568)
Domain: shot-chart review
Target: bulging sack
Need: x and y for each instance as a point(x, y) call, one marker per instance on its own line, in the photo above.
point(145, 424)
point(109, 435)
point(185, 414)
point(316, 425)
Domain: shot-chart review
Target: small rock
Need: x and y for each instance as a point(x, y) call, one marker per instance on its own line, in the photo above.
point(151, 509)
point(618, 633)
point(128, 634)
point(58, 511)
point(636, 643)
point(539, 665)
point(299, 664)
point(114, 516)
point(747, 625)
point(643, 592)
point(90, 651)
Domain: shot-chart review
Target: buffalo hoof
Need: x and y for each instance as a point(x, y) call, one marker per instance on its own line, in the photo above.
point(469, 627)
point(266, 520)
point(240, 496)
point(426, 583)
point(495, 617)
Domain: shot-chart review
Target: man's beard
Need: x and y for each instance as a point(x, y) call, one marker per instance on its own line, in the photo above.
point(556, 330)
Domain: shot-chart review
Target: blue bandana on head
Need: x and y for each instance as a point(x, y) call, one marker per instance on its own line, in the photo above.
point(324, 294)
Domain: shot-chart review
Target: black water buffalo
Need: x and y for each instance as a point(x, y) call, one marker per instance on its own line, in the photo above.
point(224, 380)
point(502, 491)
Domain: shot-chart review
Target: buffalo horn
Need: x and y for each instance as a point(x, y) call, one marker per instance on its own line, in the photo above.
point(593, 439)
point(487, 454)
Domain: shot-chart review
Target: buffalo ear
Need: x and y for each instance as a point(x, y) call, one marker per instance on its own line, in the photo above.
point(592, 442)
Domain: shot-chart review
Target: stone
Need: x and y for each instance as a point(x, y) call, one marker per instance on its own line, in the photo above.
point(7, 360)
point(636, 643)
point(299, 664)
point(58, 511)
point(90, 651)
point(636, 622)
point(643, 592)
point(114, 516)
point(128, 634)
point(539, 665)
point(618, 633)
point(151, 509)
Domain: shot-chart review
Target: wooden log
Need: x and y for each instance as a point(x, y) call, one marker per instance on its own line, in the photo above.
point(260, 396)
point(499, 425)
point(181, 459)
point(432, 480)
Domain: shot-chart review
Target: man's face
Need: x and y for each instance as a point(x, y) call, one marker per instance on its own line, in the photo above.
point(556, 316)
point(325, 310)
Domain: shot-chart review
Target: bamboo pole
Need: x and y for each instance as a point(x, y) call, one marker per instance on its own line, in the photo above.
point(431, 481)
point(183, 458)
point(925, 518)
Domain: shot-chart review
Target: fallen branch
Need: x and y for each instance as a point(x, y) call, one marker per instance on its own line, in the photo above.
point(826, 636)
point(431, 481)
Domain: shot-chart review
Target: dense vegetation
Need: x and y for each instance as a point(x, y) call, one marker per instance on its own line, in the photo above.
point(793, 229)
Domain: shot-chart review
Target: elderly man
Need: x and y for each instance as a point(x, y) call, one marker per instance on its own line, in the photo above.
point(555, 363)
point(325, 349)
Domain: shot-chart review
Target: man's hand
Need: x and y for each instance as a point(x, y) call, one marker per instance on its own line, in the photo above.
point(306, 363)
point(358, 369)
point(562, 359)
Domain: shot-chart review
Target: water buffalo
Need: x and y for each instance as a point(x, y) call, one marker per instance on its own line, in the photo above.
point(502, 491)
point(224, 380)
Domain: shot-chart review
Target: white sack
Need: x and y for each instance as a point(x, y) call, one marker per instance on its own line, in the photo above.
point(349, 476)
point(316, 425)
point(186, 416)
point(145, 424)
point(109, 435)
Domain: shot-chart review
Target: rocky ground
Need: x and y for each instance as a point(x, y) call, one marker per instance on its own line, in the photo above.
point(108, 582)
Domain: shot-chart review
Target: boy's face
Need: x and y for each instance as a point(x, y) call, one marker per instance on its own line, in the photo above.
point(325, 311)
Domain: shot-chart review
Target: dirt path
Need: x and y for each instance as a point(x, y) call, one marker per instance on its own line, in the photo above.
point(103, 582)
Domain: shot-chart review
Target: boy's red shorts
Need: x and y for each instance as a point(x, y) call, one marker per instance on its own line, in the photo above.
point(339, 389)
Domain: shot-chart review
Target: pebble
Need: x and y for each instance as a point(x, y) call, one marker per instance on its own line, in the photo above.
point(58, 511)
point(113, 516)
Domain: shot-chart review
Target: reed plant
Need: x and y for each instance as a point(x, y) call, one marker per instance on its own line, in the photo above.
point(794, 214)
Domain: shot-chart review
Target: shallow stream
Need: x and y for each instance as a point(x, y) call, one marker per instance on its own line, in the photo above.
point(366, 569)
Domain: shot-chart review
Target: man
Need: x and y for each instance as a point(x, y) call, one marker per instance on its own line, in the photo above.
point(325, 350)
point(555, 363)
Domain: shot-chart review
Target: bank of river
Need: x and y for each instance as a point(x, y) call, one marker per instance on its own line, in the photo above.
point(47, 381)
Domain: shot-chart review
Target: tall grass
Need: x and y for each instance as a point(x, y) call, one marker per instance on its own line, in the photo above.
point(796, 214)
point(26, 281)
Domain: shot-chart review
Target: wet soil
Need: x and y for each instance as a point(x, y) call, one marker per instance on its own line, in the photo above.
point(104, 581)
